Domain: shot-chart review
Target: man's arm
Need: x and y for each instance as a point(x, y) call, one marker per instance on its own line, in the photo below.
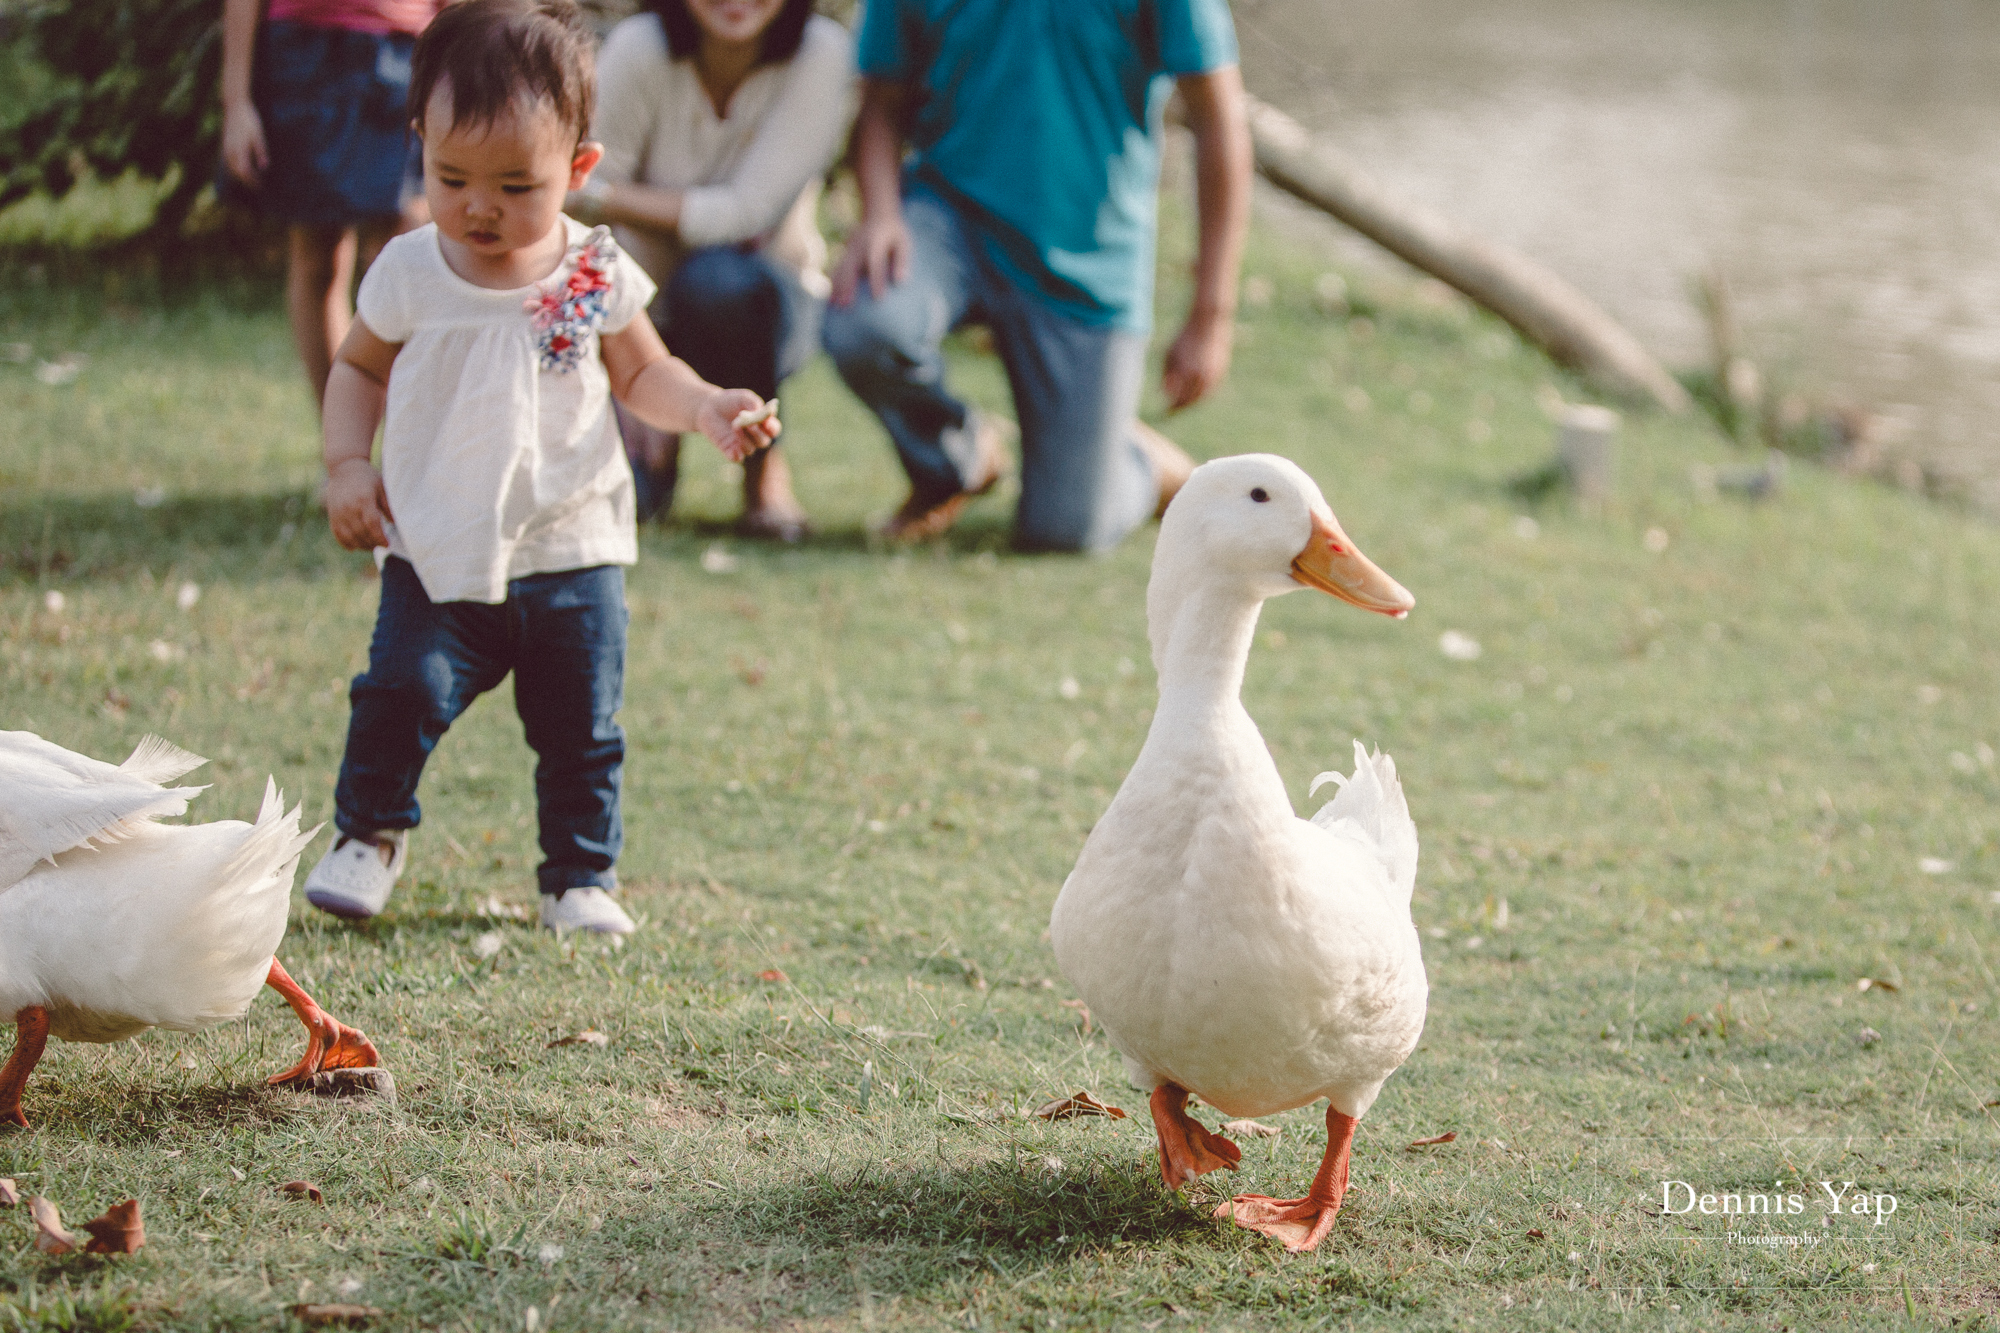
point(1199, 358)
point(878, 249)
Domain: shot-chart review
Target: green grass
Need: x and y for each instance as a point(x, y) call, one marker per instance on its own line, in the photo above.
point(1671, 817)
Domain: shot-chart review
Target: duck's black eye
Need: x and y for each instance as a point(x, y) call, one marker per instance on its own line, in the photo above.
point(1260, 495)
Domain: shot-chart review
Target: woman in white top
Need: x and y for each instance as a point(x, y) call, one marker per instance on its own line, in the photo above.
point(718, 119)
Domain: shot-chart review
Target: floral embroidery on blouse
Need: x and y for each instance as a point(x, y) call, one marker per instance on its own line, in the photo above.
point(566, 317)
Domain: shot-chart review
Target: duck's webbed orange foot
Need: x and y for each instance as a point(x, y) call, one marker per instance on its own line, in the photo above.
point(31, 1035)
point(1187, 1149)
point(330, 1043)
point(1301, 1224)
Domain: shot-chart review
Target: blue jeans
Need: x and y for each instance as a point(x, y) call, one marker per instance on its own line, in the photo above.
point(743, 322)
point(563, 637)
point(1085, 483)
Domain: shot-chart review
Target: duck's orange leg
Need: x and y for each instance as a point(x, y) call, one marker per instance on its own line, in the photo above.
point(330, 1043)
point(31, 1035)
point(1302, 1223)
point(1186, 1149)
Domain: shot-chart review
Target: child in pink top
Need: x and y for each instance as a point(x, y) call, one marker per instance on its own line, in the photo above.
point(316, 134)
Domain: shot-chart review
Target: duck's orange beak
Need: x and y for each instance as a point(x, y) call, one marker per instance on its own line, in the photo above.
point(1334, 565)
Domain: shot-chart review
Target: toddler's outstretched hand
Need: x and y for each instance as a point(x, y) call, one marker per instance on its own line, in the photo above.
point(356, 505)
point(717, 420)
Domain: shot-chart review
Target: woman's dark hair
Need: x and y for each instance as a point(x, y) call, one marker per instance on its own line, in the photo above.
point(497, 53)
point(781, 38)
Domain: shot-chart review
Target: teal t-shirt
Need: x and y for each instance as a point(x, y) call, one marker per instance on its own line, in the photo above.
point(1039, 121)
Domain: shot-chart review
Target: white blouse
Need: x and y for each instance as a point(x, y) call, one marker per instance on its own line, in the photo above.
point(499, 450)
point(751, 175)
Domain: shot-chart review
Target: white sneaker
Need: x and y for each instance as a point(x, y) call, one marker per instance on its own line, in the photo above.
point(352, 879)
point(589, 909)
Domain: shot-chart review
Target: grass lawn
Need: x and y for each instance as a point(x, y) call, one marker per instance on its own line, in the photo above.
point(1673, 814)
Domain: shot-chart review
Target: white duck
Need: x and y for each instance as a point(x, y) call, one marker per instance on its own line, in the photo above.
point(111, 923)
point(1229, 948)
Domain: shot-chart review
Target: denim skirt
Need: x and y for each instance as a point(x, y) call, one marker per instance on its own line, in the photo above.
point(335, 106)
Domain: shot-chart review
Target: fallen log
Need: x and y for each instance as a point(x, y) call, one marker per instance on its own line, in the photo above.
point(1547, 311)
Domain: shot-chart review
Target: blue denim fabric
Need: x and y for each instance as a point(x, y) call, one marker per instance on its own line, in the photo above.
point(1085, 482)
point(563, 637)
point(742, 321)
point(337, 125)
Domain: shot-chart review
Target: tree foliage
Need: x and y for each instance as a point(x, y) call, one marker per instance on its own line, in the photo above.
point(132, 86)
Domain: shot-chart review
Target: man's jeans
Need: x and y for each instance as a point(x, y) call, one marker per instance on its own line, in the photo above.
point(563, 637)
point(1084, 481)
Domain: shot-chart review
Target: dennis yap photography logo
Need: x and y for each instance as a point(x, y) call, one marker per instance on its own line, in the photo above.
point(1830, 1202)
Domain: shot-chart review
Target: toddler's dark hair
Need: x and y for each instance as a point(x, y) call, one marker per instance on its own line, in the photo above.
point(496, 54)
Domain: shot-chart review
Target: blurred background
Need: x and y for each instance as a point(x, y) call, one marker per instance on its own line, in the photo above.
point(1833, 160)
point(1826, 165)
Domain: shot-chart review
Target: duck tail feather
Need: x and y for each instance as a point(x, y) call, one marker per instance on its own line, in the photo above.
point(156, 759)
point(274, 841)
point(1371, 800)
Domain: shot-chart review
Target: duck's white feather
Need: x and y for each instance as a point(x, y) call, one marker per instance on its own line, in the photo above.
point(169, 925)
point(1370, 806)
point(53, 800)
point(1257, 959)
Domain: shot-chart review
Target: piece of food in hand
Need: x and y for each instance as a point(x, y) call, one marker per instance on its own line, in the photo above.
point(750, 416)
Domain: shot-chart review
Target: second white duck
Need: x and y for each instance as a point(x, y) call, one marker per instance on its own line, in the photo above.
point(1227, 947)
point(111, 923)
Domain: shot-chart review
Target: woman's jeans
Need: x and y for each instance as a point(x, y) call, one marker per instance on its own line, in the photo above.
point(742, 321)
point(563, 637)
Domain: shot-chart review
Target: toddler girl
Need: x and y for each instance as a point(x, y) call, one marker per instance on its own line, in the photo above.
point(495, 338)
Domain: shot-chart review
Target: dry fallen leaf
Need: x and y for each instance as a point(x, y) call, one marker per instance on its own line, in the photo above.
point(1250, 1129)
point(352, 1084)
point(1081, 1008)
point(1876, 983)
point(50, 1235)
point(119, 1231)
point(9, 1195)
point(773, 974)
point(1082, 1104)
point(1445, 1137)
point(587, 1037)
point(300, 1189)
point(335, 1314)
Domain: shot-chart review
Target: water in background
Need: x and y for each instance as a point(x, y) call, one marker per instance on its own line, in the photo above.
point(1839, 160)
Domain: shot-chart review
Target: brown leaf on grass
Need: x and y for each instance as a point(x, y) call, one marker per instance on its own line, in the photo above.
point(317, 1315)
point(1250, 1129)
point(301, 1189)
point(51, 1237)
point(1435, 1139)
point(352, 1085)
point(773, 974)
point(9, 1195)
point(1876, 983)
point(1082, 1009)
point(1535, 1233)
point(119, 1231)
point(587, 1037)
point(1081, 1104)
